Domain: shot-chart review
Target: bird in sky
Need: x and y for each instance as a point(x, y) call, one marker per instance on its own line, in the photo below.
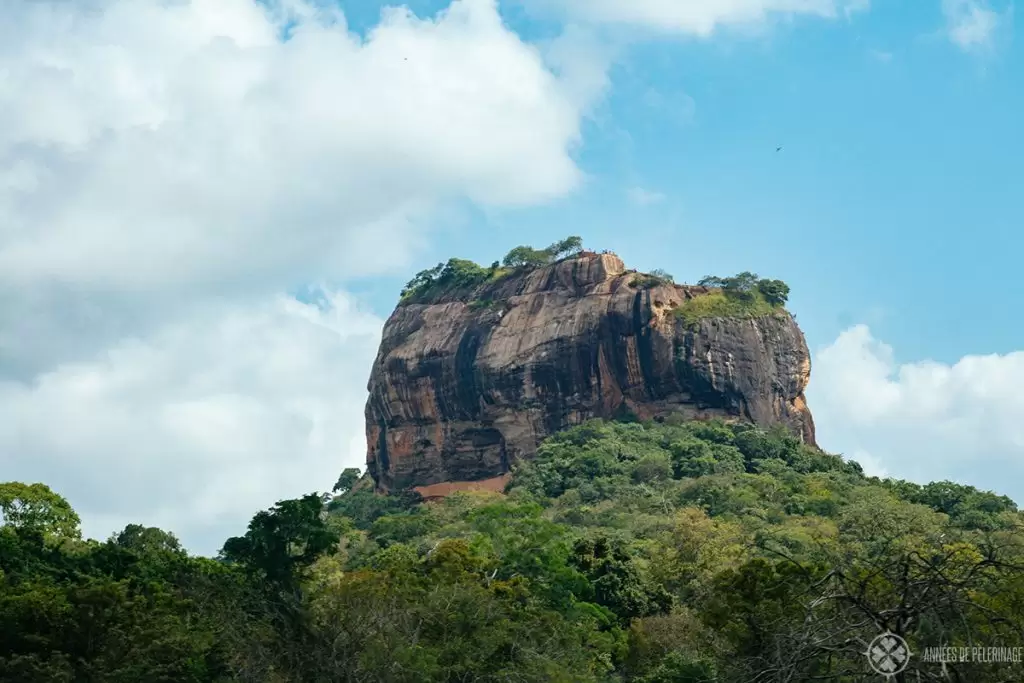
point(779, 148)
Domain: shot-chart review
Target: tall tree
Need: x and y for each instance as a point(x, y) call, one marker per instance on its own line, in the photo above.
point(283, 541)
point(37, 508)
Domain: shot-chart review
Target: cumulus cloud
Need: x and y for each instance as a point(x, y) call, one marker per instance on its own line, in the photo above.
point(697, 17)
point(168, 167)
point(146, 142)
point(923, 420)
point(971, 24)
point(196, 427)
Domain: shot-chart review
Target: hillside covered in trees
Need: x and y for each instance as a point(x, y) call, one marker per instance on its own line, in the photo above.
point(656, 553)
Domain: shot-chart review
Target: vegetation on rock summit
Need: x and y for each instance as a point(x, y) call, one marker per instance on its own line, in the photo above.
point(464, 274)
point(741, 296)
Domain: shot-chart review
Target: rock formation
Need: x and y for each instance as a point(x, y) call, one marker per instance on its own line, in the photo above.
point(468, 381)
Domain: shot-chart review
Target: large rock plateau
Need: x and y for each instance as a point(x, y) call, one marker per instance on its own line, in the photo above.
point(467, 382)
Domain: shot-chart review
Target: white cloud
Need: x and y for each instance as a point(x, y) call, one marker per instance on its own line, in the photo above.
point(871, 465)
point(924, 420)
point(200, 425)
point(970, 24)
point(644, 197)
point(168, 167)
point(148, 143)
point(697, 17)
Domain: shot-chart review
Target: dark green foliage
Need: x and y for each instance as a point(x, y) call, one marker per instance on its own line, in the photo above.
point(673, 552)
point(652, 279)
point(147, 540)
point(119, 611)
point(677, 667)
point(616, 582)
point(741, 286)
point(562, 248)
point(525, 256)
point(346, 480)
point(698, 458)
point(283, 541)
point(711, 281)
point(775, 292)
point(457, 274)
point(423, 281)
point(364, 507)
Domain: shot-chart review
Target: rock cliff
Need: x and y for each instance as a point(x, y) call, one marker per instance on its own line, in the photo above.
point(467, 381)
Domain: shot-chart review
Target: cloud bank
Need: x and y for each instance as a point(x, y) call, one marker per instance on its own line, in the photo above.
point(924, 421)
point(196, 426)
point(168, 169)
point(696, 17)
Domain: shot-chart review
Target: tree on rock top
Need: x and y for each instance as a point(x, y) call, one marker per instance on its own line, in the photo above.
point(527, 256)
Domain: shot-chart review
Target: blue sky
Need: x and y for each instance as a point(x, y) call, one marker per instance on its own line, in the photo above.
point(895, 200)
point(173, 174)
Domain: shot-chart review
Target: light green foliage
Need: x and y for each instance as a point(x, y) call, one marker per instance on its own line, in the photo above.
point(718, 304)
point(740, 296)
point(616, 581)
point(401, 528)
point(965, 505)
point(622, 553)
point(37, 508)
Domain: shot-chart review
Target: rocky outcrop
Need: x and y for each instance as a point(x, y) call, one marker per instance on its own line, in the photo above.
point(467, 382)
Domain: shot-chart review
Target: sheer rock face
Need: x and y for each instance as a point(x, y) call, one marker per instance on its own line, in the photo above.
point(469, 381)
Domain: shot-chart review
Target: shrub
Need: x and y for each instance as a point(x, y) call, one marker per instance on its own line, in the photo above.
point(456, 272)
point(652, 279)
point(525, 256)
point(739, 296)
point(775, 292)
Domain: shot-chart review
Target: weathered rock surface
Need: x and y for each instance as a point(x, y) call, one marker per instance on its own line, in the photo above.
point(468, 382)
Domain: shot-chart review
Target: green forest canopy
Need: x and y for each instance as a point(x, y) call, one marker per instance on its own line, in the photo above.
point(648, 553)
